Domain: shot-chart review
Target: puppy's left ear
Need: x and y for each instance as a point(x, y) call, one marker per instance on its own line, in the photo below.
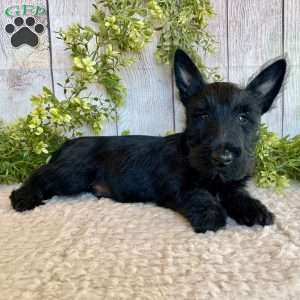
point(188, 78)
point(266, 85)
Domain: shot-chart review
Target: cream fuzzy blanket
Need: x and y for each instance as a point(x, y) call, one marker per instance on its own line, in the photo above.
point(85, 248)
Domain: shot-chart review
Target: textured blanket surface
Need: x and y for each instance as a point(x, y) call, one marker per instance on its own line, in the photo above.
point(84, 248)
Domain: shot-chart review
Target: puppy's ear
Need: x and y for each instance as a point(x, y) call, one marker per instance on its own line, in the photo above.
point(187, 76)
point(266, 85)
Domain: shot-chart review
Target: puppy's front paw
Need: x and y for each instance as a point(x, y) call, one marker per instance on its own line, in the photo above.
point(254, 212)
point(21, 200)
point(210, 219)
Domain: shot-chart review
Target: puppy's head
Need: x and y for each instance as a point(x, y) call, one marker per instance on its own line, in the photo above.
point(222, 119)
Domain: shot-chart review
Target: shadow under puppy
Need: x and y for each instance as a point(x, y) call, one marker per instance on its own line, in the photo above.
point(200, 173)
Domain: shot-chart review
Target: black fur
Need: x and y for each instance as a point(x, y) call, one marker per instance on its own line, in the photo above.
point(200, 173)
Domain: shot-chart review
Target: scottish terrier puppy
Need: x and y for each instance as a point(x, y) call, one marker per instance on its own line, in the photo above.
point(200, 173)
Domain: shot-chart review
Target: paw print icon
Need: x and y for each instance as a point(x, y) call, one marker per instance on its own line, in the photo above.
point(25, 32)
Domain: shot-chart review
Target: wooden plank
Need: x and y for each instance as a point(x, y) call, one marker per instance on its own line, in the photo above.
point(217, 26)
point(64, 13)
point(23, 70)
point(254, 37)
point(291, 117)
point(149, 105)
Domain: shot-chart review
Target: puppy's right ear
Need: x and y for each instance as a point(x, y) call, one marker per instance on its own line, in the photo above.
point(188, 78)
point(266, 85)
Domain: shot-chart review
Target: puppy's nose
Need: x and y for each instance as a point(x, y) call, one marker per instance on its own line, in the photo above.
point(223, 158)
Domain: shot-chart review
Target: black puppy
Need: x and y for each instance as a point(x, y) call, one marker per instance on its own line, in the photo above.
point(200, 173)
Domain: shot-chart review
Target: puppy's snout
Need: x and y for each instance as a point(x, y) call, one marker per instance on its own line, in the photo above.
point(222, 158)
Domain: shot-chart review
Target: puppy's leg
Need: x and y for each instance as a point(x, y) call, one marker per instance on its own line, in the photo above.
point(244, 209)
point(202, 210)
point(46, 182)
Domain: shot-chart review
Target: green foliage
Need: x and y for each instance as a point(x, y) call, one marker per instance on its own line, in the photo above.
point(184, 26)
point(29, 142)
point(125, 132)
point(21, 152)
point(277, 159)
point(169, 132)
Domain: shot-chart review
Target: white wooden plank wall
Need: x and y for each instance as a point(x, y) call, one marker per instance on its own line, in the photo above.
point(249, 33)
point(254, 37)
point(149, 105)
point(291, 109)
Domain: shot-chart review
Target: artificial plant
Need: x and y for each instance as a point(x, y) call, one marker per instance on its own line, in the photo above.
point(277, 159)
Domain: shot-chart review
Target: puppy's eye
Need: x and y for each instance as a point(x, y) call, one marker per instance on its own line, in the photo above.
point(243, 118)
point(201, 115)
point(204, 116)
